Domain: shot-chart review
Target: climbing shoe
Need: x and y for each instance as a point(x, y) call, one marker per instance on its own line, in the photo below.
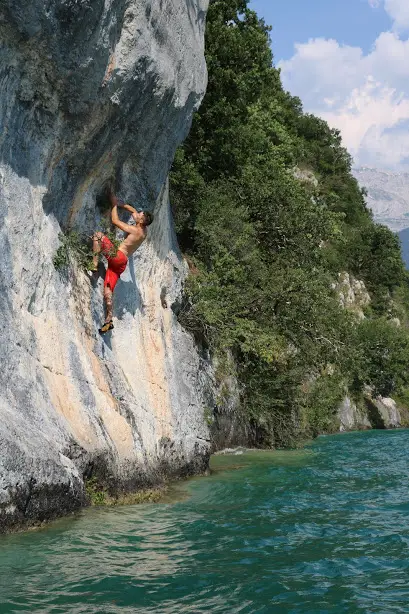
point(92, 273)
point(106, 327)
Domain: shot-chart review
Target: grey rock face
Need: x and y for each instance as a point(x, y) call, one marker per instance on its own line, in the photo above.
point(351, 418)
point(89, 90)
point(379, 413)
point(383, 413)
point(229, 426)
point(305, 176)
point(352, 293)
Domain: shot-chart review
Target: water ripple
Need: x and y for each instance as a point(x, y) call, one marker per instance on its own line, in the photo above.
point(320, 530)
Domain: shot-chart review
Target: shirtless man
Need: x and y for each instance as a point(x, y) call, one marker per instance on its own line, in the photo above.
point(118, 259)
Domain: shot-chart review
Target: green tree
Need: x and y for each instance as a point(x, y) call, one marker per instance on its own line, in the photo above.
point(269, 213)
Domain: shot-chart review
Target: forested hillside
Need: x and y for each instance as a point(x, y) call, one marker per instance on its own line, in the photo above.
point(269, 215)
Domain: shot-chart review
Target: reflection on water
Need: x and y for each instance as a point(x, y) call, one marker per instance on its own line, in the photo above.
point(324, 529)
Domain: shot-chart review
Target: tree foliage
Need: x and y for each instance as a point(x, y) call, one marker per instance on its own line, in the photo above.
point(266, 207)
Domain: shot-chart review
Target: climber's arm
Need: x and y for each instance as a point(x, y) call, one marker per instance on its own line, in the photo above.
point(118, 223)
point(127, 207)
point(115, 217)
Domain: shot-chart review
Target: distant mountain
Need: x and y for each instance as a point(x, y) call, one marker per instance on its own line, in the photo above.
point(388, 196)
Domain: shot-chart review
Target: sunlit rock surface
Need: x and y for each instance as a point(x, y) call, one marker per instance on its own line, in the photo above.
point(90, 89)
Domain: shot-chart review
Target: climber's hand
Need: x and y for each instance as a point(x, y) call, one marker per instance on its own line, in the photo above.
point(113, 199)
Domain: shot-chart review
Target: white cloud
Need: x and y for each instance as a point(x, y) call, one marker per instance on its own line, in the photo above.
point(365, 96)
point(399, 12)
point(366, 119)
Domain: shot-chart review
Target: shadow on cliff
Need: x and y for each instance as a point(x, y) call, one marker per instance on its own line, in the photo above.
point(374, 415)
point(196, 15)
point(127, 298)
point(64, 129)
point(58, 119)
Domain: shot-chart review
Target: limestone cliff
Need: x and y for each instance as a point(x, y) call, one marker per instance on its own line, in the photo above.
point(375, 413)
point(89, 89)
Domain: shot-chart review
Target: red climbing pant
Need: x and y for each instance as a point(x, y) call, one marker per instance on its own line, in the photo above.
point(117, 262)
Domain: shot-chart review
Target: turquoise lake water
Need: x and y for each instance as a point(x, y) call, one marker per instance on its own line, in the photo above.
point(323, 529)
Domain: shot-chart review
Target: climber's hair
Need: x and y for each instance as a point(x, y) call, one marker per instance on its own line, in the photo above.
point(148, 218)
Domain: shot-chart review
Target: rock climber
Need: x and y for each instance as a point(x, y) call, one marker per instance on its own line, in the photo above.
point(118, 258)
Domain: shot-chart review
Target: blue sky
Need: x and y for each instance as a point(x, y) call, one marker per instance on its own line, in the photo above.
point(348, 61)
point(351, 22)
